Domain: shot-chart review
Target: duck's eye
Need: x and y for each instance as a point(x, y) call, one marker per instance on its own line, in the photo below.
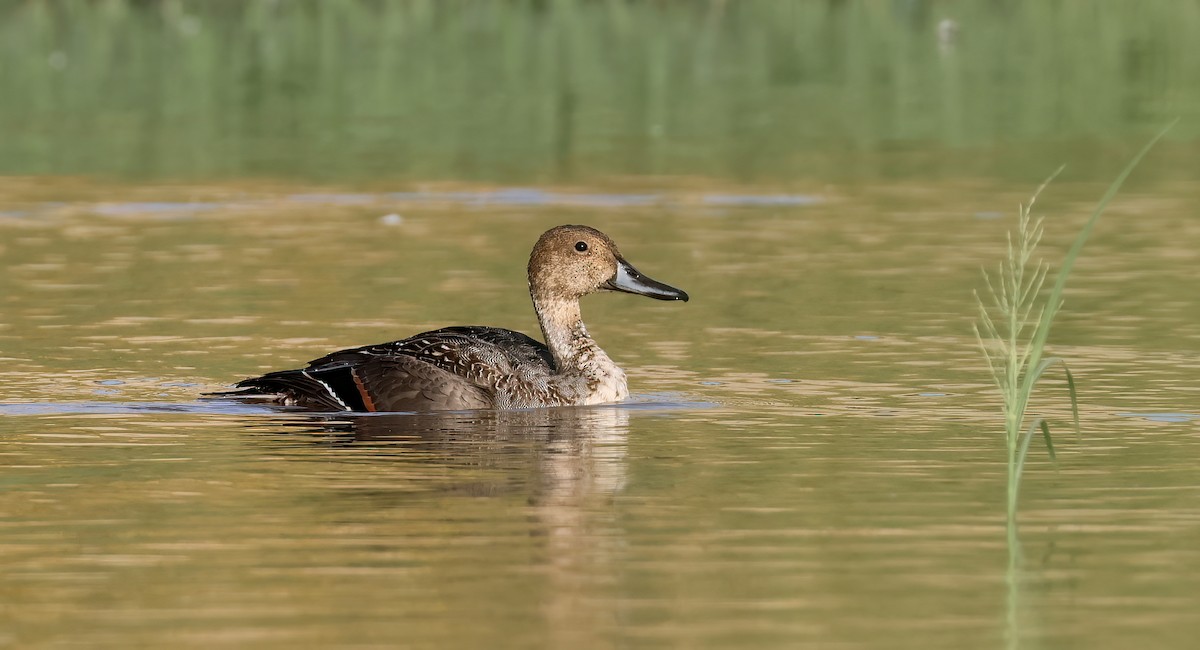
point(581, 246)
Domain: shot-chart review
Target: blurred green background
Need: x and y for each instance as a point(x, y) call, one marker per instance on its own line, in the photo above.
point(542, 91)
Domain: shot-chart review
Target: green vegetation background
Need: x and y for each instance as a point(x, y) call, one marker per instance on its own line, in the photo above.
point(571, 90)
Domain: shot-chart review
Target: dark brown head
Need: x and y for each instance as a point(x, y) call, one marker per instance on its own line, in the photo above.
point(573, 261)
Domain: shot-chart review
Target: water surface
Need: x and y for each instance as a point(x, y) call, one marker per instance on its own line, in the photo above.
point(812, 457)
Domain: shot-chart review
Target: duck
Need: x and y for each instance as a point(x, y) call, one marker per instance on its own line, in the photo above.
point(478, 367)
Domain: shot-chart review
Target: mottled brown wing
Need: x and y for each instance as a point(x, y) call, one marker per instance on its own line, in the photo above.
point(455, 349)
point(409, 384)
point(447, 369)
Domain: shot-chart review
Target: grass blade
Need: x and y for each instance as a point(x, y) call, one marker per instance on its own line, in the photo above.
point(1052, 361)
point(1074, 399)
point(1049, 442)
point(1054, 300)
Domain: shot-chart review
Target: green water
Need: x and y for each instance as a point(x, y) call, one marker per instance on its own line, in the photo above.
point(553, 90)
point(813, 455)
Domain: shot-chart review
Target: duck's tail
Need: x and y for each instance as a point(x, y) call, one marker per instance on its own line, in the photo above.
point(295, 388)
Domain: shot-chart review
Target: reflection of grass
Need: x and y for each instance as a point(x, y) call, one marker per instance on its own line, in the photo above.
point(1014, 325)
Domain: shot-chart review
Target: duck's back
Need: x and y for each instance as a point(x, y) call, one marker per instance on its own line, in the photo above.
point(447, 369)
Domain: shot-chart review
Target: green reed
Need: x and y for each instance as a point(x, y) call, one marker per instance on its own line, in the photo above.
point(1014, 325)
point(1012, 330)
point(1009, 331)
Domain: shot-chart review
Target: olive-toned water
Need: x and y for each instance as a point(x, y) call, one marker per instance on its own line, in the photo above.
point(812, 457)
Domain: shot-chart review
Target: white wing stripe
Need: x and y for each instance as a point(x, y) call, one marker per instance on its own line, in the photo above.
point(327, 388)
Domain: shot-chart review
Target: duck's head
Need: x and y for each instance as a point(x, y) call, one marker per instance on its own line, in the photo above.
point(569, 262)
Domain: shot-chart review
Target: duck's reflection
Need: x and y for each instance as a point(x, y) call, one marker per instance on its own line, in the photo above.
point(577, 451)
point(568, 462)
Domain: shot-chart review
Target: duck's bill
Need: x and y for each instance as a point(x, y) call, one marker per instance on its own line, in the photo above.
point(630, 280)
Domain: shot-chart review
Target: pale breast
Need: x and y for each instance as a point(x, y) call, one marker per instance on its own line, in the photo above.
point(606, 380)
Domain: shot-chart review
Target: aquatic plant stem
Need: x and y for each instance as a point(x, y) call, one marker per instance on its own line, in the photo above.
point(1012, 580)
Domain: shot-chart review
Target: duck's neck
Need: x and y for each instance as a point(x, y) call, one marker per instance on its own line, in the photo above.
point(575, 353)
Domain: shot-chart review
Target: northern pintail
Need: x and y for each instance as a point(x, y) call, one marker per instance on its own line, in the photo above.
point(484, 367)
